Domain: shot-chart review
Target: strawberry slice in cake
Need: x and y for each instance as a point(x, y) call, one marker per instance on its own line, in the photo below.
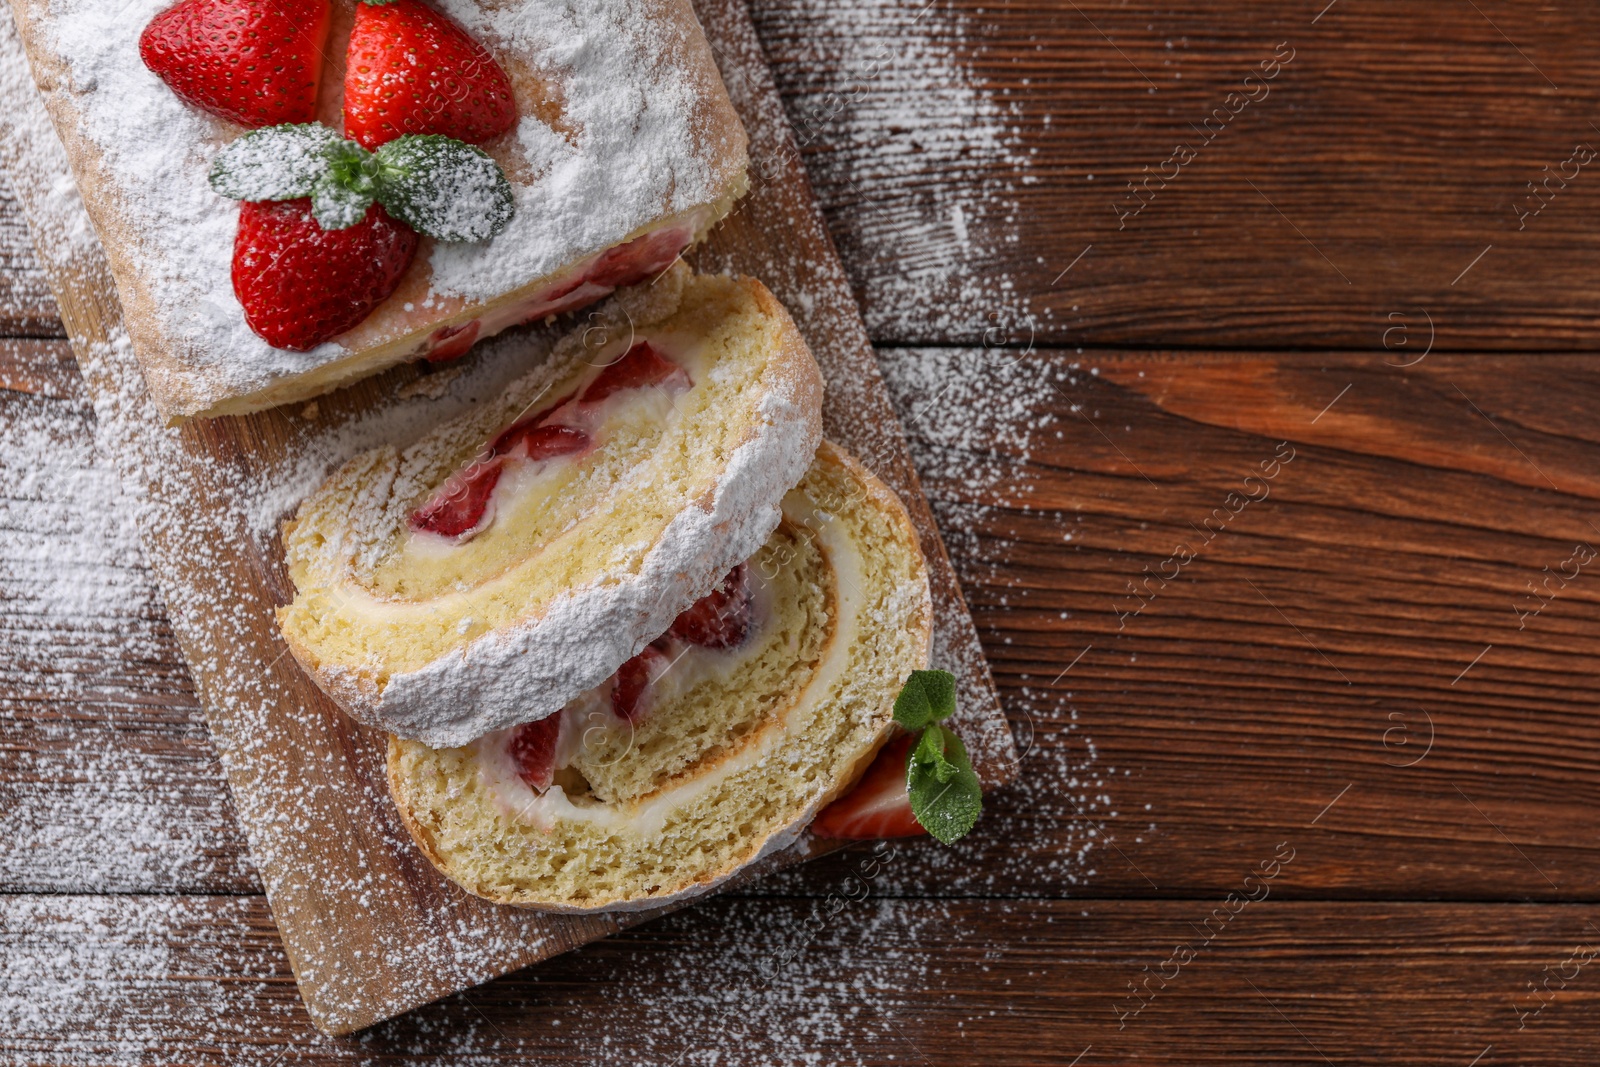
point(567, 427)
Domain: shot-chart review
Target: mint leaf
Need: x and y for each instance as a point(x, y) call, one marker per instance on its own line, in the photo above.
point(945, 794)
point(927, 697)
point(278, 162)
point(337, 207)
point(929, 752)
point(297, 160)
point(444, 188)
point(343, 195)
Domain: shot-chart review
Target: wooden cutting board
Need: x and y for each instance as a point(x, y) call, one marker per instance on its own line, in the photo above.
point(370, 928)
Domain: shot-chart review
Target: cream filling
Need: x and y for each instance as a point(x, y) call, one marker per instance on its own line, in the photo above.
point(522, 479)
point(588, 722)
point(646, 819)
point(687, 666)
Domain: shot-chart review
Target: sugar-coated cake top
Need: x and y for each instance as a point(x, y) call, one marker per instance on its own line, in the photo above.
point(631, 148)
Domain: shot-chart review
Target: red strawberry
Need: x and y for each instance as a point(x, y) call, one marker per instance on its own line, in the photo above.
point(721, 618)
point(533, 746)
point(411, 69)
point(627, 690)
point(641, 258)
point(452, 342)
point(512, 435)
point(301, 285)
point(459, 506)
point(541, 442)
point(254, 62)
point(640, 366)
point(879, 805)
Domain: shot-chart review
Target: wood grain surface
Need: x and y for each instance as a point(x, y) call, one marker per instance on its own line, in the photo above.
point(1352, 668)
point(1370, 172)
point(1280, 982)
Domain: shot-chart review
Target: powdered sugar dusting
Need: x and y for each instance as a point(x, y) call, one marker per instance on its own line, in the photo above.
point(971, 418)
point(103, 981)
point(795, 984)
point(928, 253)
point(974, 469)
point(111, 803)
point(61, 560)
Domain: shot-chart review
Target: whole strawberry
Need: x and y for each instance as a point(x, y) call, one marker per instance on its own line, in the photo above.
point(301, 284)
point(411, 69)
point(254, 62)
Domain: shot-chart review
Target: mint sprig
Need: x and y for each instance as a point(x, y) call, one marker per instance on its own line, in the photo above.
point(945, 794)
point(447, 189)
point(277, 162)
point(928, 697)
point(443, 187)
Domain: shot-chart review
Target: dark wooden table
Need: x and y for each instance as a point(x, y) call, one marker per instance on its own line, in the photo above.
point(1273, 481)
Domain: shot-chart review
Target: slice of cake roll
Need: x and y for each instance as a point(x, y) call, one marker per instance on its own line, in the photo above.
point(592, 144)
point(717, 744)
point(518, 555)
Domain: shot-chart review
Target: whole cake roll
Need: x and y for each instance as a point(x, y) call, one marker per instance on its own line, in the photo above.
point(293, 194)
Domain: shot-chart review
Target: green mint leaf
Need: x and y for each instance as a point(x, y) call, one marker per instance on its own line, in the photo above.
point(336, 206)
point(945, 795)
point(928, 696)
point(354, 167)
point(442, 187)
point(278, 162)
point(928, 752)
point(343, 195)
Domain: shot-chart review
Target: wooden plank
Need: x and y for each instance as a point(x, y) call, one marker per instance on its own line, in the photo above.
point(26, 307)
point(967, 153)
point(1399, 540)
point(42, 367)
point(1374, 599)
point(202, 979)
point(371, 929)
